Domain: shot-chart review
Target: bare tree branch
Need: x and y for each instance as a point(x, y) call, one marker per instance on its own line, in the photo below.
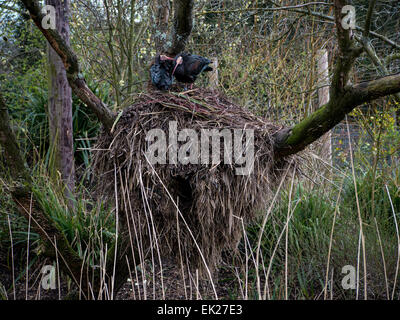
point(371, 33)
point(309, 12)
point(291, 141)
point(277, 8)
point(343, 99)
point(70, 61)
point(367, 26)
point(347, 53)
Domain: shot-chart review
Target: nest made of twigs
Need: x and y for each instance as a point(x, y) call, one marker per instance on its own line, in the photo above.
point(184, 209)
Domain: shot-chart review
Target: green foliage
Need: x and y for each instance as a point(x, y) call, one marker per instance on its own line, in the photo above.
point(32, 127)
point(10, 218)
point(266, 63)
point(89, 226)
point(308, 241)
point(373, 193)
point(309, 238)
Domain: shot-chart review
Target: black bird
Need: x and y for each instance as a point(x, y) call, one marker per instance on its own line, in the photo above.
point(161, 72)
point(189, 66)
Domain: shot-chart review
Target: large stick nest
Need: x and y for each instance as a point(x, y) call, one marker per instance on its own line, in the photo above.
point(213, 201)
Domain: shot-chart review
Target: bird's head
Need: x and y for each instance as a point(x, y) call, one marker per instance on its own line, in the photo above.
point(179, 60)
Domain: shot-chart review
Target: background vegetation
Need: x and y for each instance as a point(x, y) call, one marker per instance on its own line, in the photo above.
point(267, 63)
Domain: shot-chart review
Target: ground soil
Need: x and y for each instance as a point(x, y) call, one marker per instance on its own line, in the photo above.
point(172, 286)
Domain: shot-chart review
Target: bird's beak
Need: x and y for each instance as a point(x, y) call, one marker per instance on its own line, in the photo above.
point(164, 57)
point(178, 62)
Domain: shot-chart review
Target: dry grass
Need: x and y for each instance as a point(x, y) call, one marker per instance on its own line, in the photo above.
point(192, 212)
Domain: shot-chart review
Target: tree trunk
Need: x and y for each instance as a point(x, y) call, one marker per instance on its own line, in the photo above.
point(12, 153)
point(27, 206)
point(60, 105)
point(183, 24)
point(71, 64)
point(161, 9)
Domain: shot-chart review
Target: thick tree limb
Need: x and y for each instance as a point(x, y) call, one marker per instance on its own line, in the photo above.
point(343, 98)
point(53, 238)
point(161, 10)
point(71, 65)
point(371, 90)
point(347, 53)
point(21, 194)
point(324, 119)
point(183, 24)
point(10, 144)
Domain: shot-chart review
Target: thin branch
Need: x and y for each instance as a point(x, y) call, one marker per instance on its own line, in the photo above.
point(278, 8)
point(309, 12)
point(347, 54)
point(367, 26)
point(372, 33)
point(368, 48)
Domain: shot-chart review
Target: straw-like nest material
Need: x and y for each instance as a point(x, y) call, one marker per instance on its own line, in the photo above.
point(212, 200)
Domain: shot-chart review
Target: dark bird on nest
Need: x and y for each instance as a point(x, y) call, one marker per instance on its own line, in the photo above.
point(189, 66)
point(161, 72)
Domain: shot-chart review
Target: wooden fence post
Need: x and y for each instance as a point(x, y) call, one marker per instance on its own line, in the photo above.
point(213, 75)
point(325, 149)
